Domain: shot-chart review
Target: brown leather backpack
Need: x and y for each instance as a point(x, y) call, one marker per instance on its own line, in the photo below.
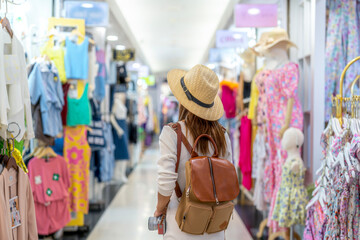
point(211, 185)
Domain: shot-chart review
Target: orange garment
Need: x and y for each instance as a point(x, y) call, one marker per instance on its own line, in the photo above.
point(77, 153)
point(16, 183)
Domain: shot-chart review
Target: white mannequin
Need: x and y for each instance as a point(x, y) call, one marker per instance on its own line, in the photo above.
point(276, 57)
point(292, 141)
point(249, 72)
point(119, 112)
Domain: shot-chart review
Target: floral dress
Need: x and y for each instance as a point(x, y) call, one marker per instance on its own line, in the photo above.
point(77, 154)
point(342, 45)
point(280, 86)
point(290, 207)
point(261, 131)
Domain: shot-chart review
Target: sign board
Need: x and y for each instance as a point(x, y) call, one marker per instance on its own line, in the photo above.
point(256, 15)
point(95, 14)
point(221, 54)
point(230, 39)
point(124, 55)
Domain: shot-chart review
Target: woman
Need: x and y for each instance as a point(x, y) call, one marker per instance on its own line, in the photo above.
point(200, 108)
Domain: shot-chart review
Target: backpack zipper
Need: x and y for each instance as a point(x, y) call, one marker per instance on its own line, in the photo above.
point(213, 181)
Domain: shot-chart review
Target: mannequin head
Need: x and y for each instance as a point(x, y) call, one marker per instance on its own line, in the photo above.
point(277, 49)
point(293, 139)
point(276, 56)
point(248, 66)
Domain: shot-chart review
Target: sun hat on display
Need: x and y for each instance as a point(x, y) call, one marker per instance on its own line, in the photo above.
point(197, 91)
point(271, 38)
point(248, 56)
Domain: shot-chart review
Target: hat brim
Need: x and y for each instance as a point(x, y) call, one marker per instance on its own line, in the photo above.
point(260, 48)
point(211, 114)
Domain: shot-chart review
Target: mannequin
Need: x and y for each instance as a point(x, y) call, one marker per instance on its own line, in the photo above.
point(278, 108)
point(118, 121)
point(246, 75)
point(291, 142)
point(275, 58)
point(292, 195)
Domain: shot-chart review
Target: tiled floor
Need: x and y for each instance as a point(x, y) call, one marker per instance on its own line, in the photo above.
point(126, 217)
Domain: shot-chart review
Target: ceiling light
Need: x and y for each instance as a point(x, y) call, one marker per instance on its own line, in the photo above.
point(112, 38)
point(87, 5)
point(136, 65)
point(253, 11)
point(120, 47)
point(237, 36)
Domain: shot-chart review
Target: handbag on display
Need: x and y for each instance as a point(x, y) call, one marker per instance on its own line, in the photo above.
point(211, 185)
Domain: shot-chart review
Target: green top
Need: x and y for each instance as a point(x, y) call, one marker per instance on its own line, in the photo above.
point(79, 112)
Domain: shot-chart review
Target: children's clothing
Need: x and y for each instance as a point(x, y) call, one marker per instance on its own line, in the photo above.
point(50, 182)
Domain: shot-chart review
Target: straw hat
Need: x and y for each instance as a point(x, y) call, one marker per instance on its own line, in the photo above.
point(270, 39)
point(197, 91)
point(248, 56)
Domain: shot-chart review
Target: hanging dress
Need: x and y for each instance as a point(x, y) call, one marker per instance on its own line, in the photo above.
point(342, 45)
point(77, 154)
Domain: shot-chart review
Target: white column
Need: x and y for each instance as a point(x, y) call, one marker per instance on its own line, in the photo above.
point(318, 79)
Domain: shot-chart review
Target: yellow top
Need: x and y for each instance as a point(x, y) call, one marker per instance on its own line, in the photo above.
point(57, 56)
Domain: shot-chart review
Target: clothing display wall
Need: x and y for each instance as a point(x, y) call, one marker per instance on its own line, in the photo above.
point(18, 217)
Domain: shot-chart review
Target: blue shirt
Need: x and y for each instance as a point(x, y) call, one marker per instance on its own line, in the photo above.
point(45, 85)
point(77, 59)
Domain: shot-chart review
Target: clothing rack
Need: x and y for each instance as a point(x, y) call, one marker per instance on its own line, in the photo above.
point(344, 111)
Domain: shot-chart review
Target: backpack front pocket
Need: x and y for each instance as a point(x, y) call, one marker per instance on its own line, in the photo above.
point(196, 218)
point(220, 218)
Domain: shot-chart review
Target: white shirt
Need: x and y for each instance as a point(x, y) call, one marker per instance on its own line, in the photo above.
point(4, 102)
point(167, 179)
point(17, 105)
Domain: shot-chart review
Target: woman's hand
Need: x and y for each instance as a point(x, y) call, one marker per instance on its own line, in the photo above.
point(162, 204)
point(158, 213)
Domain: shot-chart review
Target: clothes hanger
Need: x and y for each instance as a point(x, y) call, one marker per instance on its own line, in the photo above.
point(46, 153)
point(11, 162)
point(77, 33)
point(5, 22)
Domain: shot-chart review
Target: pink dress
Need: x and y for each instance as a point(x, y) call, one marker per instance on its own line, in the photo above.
point(245, 152)
point(228, 98)
point(280, 85)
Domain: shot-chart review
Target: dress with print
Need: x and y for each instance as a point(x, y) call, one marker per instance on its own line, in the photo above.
point(261, 130)
point(342, 45)
point(291, 200)
point(280, 85)
point(77, 154)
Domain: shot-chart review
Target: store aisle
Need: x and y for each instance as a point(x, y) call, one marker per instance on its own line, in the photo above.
point(127, 215)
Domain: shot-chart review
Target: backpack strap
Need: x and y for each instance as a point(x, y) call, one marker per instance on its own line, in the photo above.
point(180, 139)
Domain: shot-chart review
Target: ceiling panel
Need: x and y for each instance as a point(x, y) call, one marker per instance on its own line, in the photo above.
point(172, 33)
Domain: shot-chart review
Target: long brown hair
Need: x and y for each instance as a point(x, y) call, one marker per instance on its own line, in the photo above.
point(198, 126)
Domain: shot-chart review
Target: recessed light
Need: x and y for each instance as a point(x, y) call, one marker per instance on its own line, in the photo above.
point(253, 11)
point(120, 47)
point(87, 5)
point(112, 38)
